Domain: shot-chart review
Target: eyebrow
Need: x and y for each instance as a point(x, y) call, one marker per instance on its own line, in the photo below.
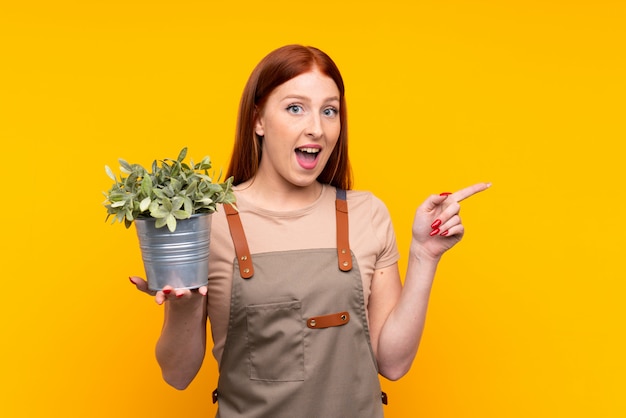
point(304, 98)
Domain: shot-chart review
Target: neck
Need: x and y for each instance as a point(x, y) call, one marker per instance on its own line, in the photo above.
point(272, 197)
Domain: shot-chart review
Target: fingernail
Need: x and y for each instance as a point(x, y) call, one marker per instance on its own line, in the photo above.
point(444, 233)
point(167, 291)
point(434, 232)
point(179, 295)
point(445, 194)
point(131, 280)
point(436, 223)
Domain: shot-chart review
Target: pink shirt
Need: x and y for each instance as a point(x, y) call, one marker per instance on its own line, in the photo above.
point(372, 240)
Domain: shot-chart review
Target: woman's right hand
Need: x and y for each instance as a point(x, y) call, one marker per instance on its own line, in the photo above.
point(168, 292)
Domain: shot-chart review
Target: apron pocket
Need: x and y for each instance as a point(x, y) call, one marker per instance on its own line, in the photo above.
point(276, 341)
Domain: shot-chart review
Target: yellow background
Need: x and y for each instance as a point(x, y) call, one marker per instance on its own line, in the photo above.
point(527, 313)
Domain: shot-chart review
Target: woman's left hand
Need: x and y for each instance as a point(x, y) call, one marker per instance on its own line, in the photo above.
point(437, 226)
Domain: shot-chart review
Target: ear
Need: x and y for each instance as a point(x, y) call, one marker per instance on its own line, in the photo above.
point(258, 127)
point(258, 123)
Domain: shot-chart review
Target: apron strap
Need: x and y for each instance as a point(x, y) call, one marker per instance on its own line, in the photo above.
point(246, 269)
point(344, 256)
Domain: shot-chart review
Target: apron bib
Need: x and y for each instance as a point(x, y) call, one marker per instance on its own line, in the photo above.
point(298, 343)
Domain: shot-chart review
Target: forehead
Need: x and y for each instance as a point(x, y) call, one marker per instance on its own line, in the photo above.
point(311, 84)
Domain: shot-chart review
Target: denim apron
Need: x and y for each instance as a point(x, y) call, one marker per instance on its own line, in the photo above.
point(298, 344)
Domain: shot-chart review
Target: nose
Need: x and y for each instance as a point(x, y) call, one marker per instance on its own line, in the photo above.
point(314, 127)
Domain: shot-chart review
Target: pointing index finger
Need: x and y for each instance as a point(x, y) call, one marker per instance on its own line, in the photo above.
point(470, 191)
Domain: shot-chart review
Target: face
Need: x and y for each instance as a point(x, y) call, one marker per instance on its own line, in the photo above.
point(300, 127)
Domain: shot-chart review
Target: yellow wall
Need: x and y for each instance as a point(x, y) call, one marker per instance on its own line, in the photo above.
point(527, 313)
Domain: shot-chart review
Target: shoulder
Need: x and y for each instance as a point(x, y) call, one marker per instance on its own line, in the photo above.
point(362, 200)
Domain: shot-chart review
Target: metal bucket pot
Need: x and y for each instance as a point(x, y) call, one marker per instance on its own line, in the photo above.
point(180, 258)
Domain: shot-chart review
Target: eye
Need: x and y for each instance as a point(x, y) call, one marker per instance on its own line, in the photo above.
point(330, 112)
point(295, 109)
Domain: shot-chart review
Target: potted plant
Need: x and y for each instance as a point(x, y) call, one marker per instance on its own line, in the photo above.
point(171, 207)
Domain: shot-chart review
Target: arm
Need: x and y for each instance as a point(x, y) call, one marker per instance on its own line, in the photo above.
point(181, 347)
point(397, 313)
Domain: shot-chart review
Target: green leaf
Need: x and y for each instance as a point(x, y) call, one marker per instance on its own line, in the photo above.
point(159, 213)
point(188, 204)
point(146, 186)
point(182, 154)
point(205, 201)
point(145, 204)
point(176, 185)
point(205, 164)
point(181, 214)
point(204, 177)
point(168, 191)
point(191, 189)
point(160, 222)
point(125, 166)
point(171, 223)
point(177, 202)
point(110, 173)
point(167, 204)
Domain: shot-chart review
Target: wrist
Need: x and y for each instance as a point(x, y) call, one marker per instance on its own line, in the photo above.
point(186, 305)
point(420, 253)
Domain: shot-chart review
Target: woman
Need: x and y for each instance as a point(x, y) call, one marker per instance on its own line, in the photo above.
point(312, 309)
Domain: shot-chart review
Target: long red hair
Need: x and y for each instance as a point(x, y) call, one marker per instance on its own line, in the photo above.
point(276, 68)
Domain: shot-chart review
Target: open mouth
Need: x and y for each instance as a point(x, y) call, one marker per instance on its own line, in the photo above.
point(308, 154)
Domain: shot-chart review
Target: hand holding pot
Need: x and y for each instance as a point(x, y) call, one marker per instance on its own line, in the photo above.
point(168, 292)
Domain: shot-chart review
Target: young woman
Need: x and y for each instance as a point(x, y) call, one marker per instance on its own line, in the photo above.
point(305, 300)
